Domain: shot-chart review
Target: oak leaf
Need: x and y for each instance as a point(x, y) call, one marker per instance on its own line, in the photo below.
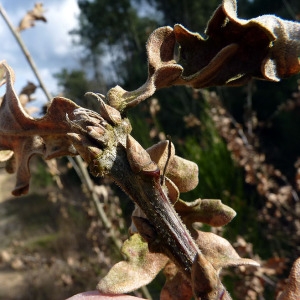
point(26, 136)
point(139, 268)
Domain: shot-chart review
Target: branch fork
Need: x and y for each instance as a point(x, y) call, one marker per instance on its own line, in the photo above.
point(162, 233)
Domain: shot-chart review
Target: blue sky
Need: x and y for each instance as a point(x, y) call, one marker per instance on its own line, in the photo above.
point(49, 43)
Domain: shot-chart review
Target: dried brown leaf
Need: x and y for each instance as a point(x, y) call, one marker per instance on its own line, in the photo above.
point(163, 71)
point(209, 211)
point(172, 190)
point(140, 268)
point(266, 47)
point(37, 14)
point(109, 113)
point(235, 50)
point(26, 136)
point(182, 172)
point(292, 289)
point(138, 158)
point(159, 153)
point(216, 253)
point(205, 280)
point(219, 251)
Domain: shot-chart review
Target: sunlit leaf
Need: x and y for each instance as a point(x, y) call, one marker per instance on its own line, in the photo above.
point(162, 71)
point(182, 172)
point(209, 211)
point(292, 289)
point(219, 252)
point(140, 268)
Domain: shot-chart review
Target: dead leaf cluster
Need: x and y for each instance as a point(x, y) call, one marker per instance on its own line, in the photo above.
point(163, 235)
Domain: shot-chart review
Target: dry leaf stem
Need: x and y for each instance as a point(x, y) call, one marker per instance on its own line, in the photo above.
point(168, 234)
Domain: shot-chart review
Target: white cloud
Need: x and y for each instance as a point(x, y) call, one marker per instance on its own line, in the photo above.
point(62, 18)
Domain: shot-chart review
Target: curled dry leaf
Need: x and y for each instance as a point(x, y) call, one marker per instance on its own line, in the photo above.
point(162, 70)
point(138, 158)
point(182, 176)
point(266, 47)
point(160, 152)
point(216, 250)
point(37, 14)
point(212, 212)
point(26, 136)
point(219, 251)
point(209, 211)
point(234, 51)
point(66, 125)
point(182, 172)
point(206, 283)
point(109, 113)
point(142, 266)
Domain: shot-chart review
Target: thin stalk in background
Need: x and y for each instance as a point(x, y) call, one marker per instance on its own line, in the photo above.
point(78, 165)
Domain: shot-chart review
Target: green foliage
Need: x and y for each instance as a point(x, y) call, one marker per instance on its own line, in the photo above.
point(41, 178)
point(218, 176)
point(75, 84)
point(95, 29)
point(140, 128)
point(43, 243)
point(99, 31)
